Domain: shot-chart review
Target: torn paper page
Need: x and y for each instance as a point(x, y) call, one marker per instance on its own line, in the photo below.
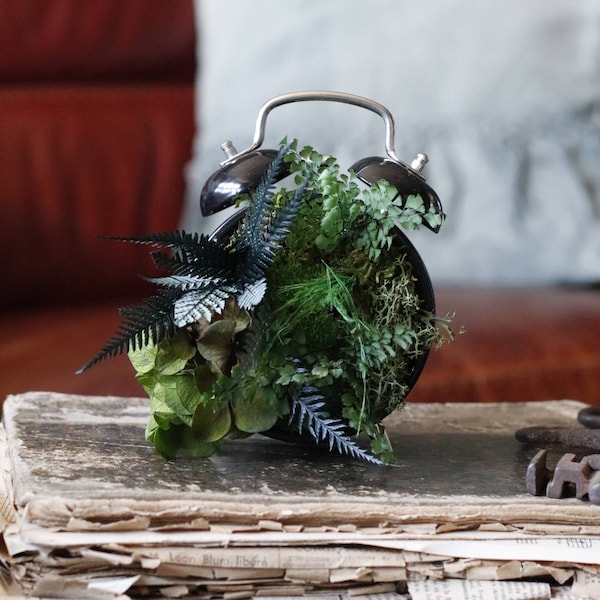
point(452, 589)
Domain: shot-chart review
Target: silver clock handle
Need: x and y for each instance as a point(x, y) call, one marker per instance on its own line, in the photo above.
point(259, 133)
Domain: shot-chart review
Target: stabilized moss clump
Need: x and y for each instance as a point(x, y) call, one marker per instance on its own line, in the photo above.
point(305, 321)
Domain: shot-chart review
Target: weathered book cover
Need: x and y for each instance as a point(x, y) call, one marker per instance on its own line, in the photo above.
point(457, 463)
point(92, 498)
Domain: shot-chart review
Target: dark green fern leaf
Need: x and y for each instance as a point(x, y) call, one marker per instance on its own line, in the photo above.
point(279, 226)
point(307, 411)
point(252, 340)
point(177, 239)
point(260, 209)
point(260, 258)
point(140, 325)
point(265, 226)
point(215, 263)
point(192, 252)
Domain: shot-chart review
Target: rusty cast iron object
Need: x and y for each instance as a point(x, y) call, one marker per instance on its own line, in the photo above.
point(570, 477)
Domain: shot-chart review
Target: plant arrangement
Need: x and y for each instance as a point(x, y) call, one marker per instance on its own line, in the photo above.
point(302, 321)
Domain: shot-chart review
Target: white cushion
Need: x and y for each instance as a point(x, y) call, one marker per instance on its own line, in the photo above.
point(503, 97)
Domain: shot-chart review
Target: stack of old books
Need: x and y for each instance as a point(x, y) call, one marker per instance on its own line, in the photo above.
point(90, 510)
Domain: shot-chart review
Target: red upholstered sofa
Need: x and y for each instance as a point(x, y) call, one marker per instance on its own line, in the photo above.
point(96, 127)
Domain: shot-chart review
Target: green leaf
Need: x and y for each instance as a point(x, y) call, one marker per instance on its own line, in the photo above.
point(187, 392)
point(286, 374)
point(144, 358)
point(325, 243)
point(151, 427)
point(164, 414)
point(148, 381)
point(166, 419)
point(255, 412)
point(306, 152)
point(167, 441)
point(210, 425)
point(216, 343)
point(319, 371)
point(331, 221)
point(433, 218)
point(168, 357)
point(204, 378)
point(174, 353)
point(179, 395)
point(197, 448)
point(415, 202)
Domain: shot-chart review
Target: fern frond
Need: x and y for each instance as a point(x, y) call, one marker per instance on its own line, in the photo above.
point(252, 294)
point(215, 262)
point(252, 340)
point(280, 225)
point(192, 253)
point(177, 239)
point(307, 410)
point(262, 245)
point(260, 209)
point(186, 283)
point(203, 302)
point(140, 325)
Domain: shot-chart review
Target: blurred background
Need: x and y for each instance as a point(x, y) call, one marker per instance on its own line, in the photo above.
point(504, 97)
point(111, 118)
